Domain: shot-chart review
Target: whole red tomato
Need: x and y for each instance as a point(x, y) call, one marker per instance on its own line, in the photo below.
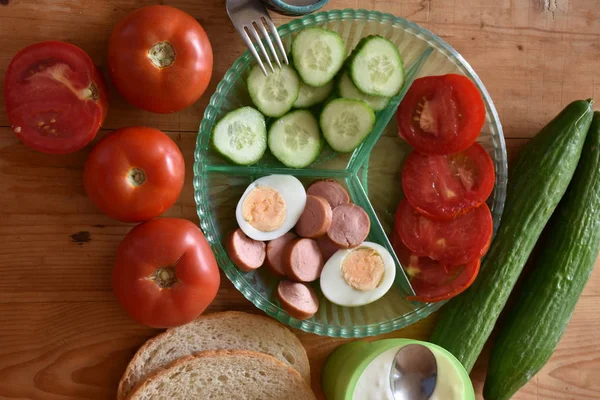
point(55, 97)
point(165, 274)
point(160, 59)
point(134, 174)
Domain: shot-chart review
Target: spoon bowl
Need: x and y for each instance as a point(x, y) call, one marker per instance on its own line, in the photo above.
point(414, 373)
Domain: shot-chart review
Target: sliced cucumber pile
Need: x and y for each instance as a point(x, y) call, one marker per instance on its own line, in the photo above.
point(376, 67)
point(318, 55)
point(346, 123)
point(241, 136)
point(295, 139)
point(275, 93)
point(310, 96)
point(348, 90)
point(372, 74)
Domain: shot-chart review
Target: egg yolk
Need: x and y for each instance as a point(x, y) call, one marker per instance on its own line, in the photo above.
point(363, 269)
point(264, 208)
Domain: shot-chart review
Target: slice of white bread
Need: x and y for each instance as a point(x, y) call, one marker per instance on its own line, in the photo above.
point(225, 374)
point(229, 330)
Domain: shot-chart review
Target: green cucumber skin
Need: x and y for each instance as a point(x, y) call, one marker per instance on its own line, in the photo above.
point(537, 183)
point(534, 327)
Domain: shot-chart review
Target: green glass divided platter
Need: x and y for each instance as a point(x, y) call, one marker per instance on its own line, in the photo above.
point(371, 173)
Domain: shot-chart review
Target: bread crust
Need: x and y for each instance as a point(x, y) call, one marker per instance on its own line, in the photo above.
point(161, 372)
point(122, 392)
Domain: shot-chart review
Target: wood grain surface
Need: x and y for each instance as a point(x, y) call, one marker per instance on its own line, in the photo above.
point(63, 336)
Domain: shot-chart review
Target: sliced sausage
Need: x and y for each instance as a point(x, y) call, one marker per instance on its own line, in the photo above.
point(275, 248)
point(330, 190)
point(316, 218)
point(328, 248)
point(350, 226)
point(247, 254)
point(298, 299)
point(303, 260)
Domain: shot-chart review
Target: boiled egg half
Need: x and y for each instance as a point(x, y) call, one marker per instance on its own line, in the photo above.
point(270, 207)
point(359, 276)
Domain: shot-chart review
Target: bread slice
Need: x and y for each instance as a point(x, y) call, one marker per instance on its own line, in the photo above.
point(229, 330)
point(225, 374)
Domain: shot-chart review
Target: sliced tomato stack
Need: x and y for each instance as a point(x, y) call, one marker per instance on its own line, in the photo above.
point(443, 227)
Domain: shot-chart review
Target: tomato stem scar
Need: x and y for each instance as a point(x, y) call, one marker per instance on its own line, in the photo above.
point(94, 95)
point(164, 277)
point(136, 177)
point(162, 54)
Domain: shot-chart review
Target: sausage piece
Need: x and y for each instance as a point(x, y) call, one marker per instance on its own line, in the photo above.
point(303, 260)
point(298, 299)
point(330, 190)
point(247, 254)
point(328, 248)
point(350, 226)
point(315, 219)
point(275, 248)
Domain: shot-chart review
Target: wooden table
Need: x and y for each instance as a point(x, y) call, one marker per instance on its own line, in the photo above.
point(63, 336)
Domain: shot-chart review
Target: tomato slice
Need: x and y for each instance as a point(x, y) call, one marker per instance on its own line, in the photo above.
point(431, 280)
point(56, 99)
point(456, 280)
point(441, 114)
point(443, 186)
point(457, 241)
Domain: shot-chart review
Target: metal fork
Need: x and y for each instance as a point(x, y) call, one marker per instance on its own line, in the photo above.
point(248, 16)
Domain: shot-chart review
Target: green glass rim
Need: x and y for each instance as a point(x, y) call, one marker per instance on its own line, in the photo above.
point(235, 72)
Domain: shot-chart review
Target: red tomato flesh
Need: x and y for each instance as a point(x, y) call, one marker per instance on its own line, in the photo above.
point(55, 97)
point(461, 240)
point(431, 280)
point(444, 186)
point(441, 114)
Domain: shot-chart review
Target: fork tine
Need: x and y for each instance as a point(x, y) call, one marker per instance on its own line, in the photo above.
point(264, 32)
point(250, 46)
point(273, 30)
point(252, 30)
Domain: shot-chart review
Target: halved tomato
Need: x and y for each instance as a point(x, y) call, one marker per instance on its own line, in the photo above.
point(461, 240)
point(443, 186)
point(441, 114)
point(431, 280)
point(55, 97)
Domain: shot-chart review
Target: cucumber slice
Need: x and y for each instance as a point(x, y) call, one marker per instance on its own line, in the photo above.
point(295, 139)
point(376, 67)
point(310, 96)
point(318, 55)
point(241, 136)
point(348, 90)
point(274, 94)
point(346, 123)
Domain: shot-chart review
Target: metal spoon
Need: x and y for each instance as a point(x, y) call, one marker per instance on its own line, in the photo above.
point(414, 373)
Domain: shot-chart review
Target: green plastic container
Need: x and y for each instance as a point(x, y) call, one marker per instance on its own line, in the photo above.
point(348, 362)
point(371, 173)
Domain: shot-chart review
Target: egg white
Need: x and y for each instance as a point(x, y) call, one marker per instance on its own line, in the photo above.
point(338, 291)
point(294, 194)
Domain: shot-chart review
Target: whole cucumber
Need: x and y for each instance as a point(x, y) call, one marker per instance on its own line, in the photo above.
point(532, 330)
point(536, 184)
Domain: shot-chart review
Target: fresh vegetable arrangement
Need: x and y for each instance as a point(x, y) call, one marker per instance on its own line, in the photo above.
point(365, 82)
point(537, 183)
point(443, 227)
point(313, 239)
point(328, 244)
point(534, 327)
point(56, 99)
